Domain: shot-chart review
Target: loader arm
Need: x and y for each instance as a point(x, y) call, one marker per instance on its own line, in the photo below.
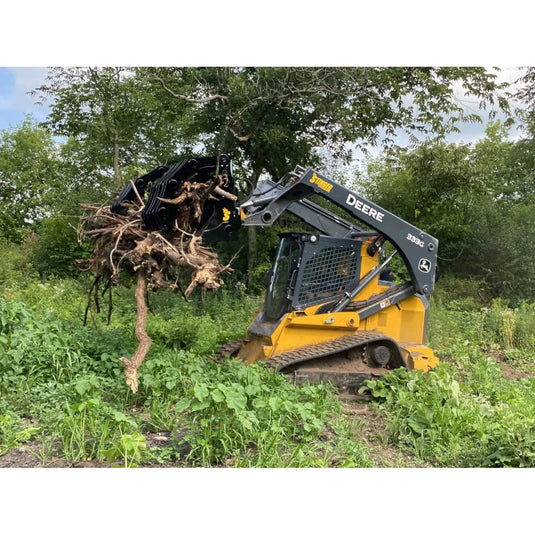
point(322, 220)
point(417, 248)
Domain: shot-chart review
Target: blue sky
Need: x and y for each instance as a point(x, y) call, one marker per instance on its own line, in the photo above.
point(15, 103)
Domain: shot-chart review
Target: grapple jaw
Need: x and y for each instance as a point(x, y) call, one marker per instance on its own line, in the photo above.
point(128, 194)
point(220, 210)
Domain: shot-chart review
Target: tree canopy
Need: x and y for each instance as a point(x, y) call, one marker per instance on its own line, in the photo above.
point(278, 117)
point(28, 177)
point(476, 199)
point(116, 123)
point(110, 119)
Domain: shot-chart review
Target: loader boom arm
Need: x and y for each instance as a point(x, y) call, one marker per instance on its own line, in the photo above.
point(417, 248)
point(322, 220)
point(271, 199)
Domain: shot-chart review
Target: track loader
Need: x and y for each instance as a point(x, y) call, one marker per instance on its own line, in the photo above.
point(331, 311)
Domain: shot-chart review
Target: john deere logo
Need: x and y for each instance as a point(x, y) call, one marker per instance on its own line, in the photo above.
point(424, 265)
point(226, 214)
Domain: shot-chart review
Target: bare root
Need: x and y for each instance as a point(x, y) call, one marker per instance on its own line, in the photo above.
point(131, 366)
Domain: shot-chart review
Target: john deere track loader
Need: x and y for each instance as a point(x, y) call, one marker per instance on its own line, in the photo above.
point(331, 311)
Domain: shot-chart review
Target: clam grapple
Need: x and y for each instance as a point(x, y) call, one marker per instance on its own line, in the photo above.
point(332, 311)
point(163, 183)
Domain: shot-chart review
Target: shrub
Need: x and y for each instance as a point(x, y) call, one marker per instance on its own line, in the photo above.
point(15, 268)
point(486, 422)
point(55, 247)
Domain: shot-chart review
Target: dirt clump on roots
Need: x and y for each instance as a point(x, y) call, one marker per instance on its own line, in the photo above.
point(157, 259)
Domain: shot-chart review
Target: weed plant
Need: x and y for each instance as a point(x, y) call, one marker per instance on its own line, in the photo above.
point(13, 431)
point(68, 379)
point(465, 412)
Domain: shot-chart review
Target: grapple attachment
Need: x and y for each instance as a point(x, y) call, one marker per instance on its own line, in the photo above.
point(219, 209)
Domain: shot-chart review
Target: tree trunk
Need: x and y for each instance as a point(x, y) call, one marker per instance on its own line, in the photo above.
point(251, 256)
point(116, 166)
point(251, 241)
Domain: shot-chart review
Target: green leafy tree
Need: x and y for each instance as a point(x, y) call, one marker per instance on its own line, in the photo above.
point(522, 164)
point(29, 174)
point(112, 122)
point(474, 199)
point(277, 118)
point(431, 186)
point(501, 248)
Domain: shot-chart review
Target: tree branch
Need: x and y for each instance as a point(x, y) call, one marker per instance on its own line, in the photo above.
point(236, 136)
point(189, 99)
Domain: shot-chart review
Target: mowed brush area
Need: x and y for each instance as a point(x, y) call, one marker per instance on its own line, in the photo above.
point(64, 401)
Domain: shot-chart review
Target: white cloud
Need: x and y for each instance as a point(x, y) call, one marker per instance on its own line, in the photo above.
point(26, 79)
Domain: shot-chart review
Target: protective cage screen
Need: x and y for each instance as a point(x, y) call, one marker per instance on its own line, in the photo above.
point(328, 273)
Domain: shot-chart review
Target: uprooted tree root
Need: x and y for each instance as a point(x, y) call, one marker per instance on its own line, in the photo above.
point(156, 259)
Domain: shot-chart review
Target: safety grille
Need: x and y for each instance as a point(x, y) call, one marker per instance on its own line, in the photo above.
point(329, 272)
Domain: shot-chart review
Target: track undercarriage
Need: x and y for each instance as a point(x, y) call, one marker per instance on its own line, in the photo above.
point(345, 362)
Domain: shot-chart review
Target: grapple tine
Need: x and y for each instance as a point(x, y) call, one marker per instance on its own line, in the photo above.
point(128, 194)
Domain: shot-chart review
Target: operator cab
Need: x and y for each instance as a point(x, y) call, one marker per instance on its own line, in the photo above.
point(311, 269)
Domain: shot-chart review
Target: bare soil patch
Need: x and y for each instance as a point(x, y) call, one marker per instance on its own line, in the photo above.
point(28, 456)
point(371, 431)
point(512, 370)
point(31, 455)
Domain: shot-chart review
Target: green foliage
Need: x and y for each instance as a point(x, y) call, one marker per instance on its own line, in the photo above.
point(41, 347)
point(440, 421)
point(121, 122)
point(13, 432)
point(277, 117)
point(235, 413)
point(201, 325)
point(465, 412)
point(91, 429)
point(55, 247)
point(474, 199)
point(29, 171)
point(493, 326)
point(509, 328)
point(112, 121)
point(15, 268)
point(498, 258)
point(433, 186)
point(241, 415)
point(129, 447)
point(247, 416)
point(69, 378)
